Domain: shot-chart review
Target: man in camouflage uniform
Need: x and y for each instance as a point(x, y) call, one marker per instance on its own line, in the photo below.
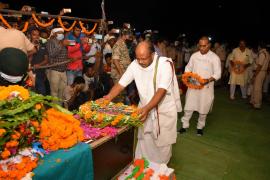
point(120, 57)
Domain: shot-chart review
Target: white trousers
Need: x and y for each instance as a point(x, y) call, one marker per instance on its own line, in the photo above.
point(243, 90)
point(147, 148)
point(201, 120)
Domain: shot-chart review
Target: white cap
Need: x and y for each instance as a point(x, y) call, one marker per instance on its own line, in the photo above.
point(55, 30)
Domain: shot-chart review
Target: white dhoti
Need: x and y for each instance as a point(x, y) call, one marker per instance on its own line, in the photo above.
point(155, 146)
point(147, 148)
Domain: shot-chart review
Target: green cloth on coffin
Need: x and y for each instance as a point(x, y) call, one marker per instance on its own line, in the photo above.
point(73, 163)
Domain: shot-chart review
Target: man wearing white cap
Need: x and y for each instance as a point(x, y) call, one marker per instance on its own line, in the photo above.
point(108, 46)
point(57, 51)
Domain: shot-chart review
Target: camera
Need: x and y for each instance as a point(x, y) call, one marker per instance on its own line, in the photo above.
point(67, 10)
point(98, 36)
point(43, 12)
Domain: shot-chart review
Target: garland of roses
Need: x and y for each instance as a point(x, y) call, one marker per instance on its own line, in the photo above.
point(44, 25)
point(62, 25)
point(186, 76)
point(85, 31)
point(238, 70)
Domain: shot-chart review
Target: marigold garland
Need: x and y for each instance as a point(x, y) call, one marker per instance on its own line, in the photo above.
point(237, 67)
point(192, 80)
point(13, 90)
point(4, 21)
point(40, 23)
point(18, 170)
point(102, 113)
point(25, 27)
point(62, 25)
point(59, 130)
point(84, 30)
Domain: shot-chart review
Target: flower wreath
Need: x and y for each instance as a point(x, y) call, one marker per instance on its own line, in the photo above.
point(192, 80)
point(237, 67)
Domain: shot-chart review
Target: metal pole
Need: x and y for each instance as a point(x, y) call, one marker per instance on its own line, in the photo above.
point(49, 15)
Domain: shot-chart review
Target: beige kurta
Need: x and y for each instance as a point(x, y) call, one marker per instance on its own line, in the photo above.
point(206, 66)
point(244, 57)
point(14, 38)
point(149, 139)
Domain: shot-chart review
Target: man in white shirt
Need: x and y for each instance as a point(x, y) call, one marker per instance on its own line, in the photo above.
point(158, 89)
point(206, 64)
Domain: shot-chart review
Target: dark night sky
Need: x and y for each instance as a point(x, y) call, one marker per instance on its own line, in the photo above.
point(224, 20)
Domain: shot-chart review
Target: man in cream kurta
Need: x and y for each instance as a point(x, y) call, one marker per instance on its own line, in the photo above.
point(243, 55)
point(159, 132)
point(206, 64)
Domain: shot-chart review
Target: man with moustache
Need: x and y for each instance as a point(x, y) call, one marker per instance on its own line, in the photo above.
point(158, 89)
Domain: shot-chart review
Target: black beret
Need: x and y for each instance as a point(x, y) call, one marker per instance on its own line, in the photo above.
point(13, 62)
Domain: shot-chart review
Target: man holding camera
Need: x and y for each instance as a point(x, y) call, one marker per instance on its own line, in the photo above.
point(77, 46)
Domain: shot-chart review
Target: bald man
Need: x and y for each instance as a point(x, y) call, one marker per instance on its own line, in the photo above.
point(206, 64)
point(159, 102)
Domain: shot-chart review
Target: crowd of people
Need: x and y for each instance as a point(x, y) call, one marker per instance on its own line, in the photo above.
point(134, 69)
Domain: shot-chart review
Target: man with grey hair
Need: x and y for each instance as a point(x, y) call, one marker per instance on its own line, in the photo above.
point(206, 64)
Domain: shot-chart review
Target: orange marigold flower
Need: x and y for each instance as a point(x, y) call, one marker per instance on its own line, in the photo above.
point(5, 154)
point(11, 144)
point(6, 92)
point(100, 117)
point(35, 124)
point(59, 130)
point(2, 131)
point(16, 135)
point(38, 106)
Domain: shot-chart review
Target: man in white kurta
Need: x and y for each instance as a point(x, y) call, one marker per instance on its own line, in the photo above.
point(159, 132)
point(206, 64)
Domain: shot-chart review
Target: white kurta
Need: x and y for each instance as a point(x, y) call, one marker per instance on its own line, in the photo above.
point(167, 108)
point(206, 66)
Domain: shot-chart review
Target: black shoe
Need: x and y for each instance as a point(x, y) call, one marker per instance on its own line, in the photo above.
point(199, 132)
point(182, 130)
